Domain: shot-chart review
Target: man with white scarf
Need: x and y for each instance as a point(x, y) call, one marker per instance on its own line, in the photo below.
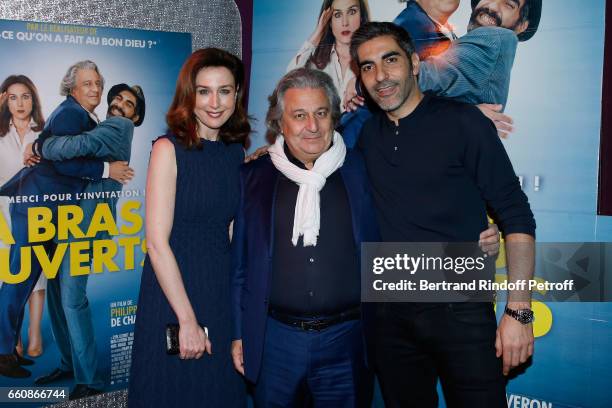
point(305, 209)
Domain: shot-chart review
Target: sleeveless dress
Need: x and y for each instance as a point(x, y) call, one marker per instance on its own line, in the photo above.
point(207, 192)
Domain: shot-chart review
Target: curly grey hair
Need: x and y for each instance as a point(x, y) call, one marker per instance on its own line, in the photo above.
point(69, 81)
point(299, 78)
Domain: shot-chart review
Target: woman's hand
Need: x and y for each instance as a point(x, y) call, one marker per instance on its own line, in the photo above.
point(29, 158)
point(319, 31)
point(351, 101)
point(193, 341)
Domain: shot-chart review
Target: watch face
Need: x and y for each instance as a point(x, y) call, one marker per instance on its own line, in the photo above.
point(525, 316)
point(522, 315)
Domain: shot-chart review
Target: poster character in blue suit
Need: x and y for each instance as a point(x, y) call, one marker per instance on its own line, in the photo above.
point(110, 141)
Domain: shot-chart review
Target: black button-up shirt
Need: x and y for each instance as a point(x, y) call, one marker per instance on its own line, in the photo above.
point(314, 280)
point(436, 173)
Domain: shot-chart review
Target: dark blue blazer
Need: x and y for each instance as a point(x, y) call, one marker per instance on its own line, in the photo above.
point(253, 241)
point(47, 177)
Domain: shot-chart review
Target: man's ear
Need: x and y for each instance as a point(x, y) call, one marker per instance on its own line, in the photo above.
point(135, 118)
point(415, 63)
point(521, 27)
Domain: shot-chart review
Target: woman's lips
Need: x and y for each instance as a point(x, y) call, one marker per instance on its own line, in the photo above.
point(345, 32)
point(215, 115)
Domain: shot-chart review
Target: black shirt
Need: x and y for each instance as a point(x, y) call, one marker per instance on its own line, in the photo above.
point(435, 175)
point(314, 280)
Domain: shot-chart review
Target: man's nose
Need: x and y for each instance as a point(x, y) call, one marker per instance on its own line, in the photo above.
point(381, 74)
point(312, 124)
point(493, 5)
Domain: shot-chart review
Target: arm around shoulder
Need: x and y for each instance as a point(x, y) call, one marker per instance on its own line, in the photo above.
point(99, 142)
point(466, 67)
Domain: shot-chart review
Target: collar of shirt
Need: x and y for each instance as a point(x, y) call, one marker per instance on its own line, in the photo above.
point(292, 158)
point(15, 135)
point(415, 114)
point(446, 29)
point(348, 74)
point(32, 123)
point(92, 115)
point(333, 56)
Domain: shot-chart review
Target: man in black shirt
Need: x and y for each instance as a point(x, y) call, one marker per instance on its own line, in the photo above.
point(435, 167)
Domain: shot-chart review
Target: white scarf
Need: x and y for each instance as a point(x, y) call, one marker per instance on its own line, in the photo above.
point(307, 217)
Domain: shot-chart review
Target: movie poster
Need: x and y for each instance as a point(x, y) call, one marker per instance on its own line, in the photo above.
point(87, 234)
point(553, 95)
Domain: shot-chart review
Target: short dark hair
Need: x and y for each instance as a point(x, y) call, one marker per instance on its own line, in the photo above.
point(530, 11)
point(372, 30)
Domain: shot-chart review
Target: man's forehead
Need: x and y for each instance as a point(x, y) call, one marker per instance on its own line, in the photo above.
point(128, 95)
point(305, 99)
point(87, 73)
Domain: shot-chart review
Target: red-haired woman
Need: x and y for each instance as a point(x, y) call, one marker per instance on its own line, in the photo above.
point(192, 194)
point(21, 120)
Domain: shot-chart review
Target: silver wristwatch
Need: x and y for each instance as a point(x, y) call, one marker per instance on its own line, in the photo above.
point(524, 316)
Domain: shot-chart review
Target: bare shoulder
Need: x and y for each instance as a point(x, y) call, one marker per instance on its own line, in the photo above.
point(163, 154)
point(163, 147)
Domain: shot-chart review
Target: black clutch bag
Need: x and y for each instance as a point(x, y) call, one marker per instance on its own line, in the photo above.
point(172, 338)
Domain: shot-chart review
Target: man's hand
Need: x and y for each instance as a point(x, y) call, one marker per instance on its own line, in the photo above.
point(29, 158)
point(257, 154)
point(351, 101)
point(514, 340)
point(489, 240)
point(120, 171)
point(354, 103)
point(502, 122)
point(3, 97)
point(237, 356)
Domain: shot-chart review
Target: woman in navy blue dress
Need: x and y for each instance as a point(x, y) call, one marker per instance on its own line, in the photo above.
point(192, 194)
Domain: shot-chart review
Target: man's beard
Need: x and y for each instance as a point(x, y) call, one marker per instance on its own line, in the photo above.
point(483, 10)
point(404, 91)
